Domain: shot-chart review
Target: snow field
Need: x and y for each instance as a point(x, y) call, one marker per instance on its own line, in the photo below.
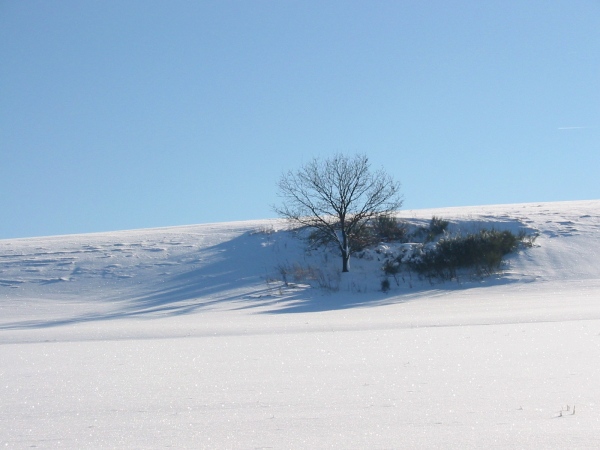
point(197, 345)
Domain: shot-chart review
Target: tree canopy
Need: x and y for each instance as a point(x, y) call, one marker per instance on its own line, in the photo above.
point(337, 196)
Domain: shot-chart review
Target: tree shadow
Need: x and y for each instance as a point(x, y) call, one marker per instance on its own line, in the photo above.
point(235, 274)
point(238, 274)
point(332, 301)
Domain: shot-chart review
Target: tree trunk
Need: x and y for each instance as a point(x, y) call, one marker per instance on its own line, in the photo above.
point(345, 252)
point(345, 261)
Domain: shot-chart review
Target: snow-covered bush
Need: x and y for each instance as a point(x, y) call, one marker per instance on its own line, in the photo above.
point(411, 249)
point(478, 254)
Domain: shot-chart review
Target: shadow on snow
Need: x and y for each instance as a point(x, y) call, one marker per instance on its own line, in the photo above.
point(241, 275)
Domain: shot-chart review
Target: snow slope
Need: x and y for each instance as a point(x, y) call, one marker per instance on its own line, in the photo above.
point(187, 337)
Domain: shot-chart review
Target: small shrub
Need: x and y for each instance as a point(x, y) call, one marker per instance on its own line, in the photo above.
point(389, 229)
point(429, 233)
point(527, 240)
point(328, 281)
point(297, 272)
point(264, 229)
point(437, 225)
point(392, 267)
point(385, 285)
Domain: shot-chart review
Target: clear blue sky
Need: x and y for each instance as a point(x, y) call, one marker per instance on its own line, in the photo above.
point(133, 114)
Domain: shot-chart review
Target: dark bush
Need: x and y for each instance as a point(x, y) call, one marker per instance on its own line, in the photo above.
point(481, 252)
point(385, 285)
point(389, 229)
point(392, 267)
point(438, 225)
point(382, 228)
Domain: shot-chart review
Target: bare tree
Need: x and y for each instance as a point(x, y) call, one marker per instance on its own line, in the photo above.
point(337, 197)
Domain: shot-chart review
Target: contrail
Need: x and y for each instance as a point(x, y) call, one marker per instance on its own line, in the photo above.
point(572, 128)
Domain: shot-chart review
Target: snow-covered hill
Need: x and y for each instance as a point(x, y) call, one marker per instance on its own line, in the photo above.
point(189, 337)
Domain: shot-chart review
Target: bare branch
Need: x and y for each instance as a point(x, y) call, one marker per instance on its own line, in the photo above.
point(336, 196)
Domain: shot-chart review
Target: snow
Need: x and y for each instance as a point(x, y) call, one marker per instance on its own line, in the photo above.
point(186, 337)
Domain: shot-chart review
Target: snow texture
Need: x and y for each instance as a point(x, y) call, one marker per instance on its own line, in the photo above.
point(234, 336)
